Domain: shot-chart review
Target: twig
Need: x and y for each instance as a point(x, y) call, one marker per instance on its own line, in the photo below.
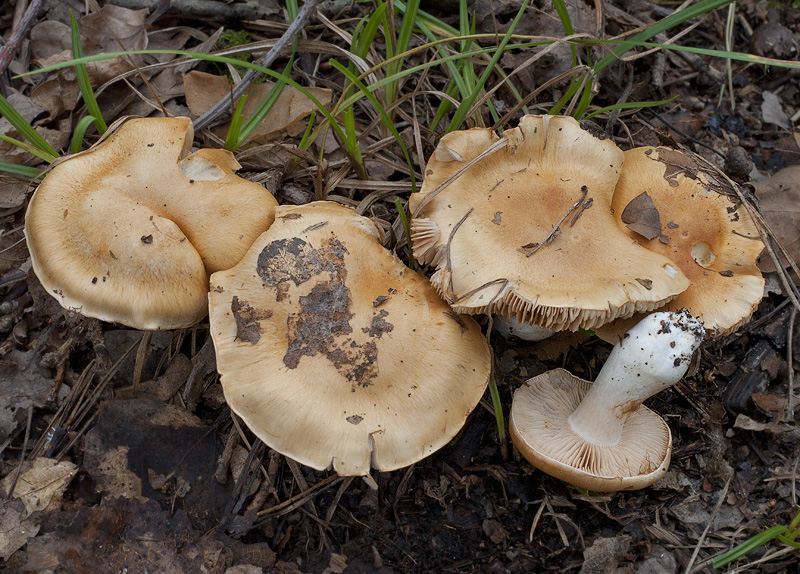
point(10, 49)
point(721, 499)
point(265, 62)
point(790, 360)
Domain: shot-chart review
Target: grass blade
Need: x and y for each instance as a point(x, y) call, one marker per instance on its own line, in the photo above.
point(80, 131)
point(497, 406)
point(385, 119)
point(401, 46)
point(748, 546)
point(629, 106)
point(23, 170)
point(232, 138)
point(28, 148)
point(466, 103)
point(83, 78)
point(24, 128)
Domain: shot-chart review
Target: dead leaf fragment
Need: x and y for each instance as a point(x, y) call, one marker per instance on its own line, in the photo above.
point(779, 202)
point(15, 530)
point(772, 111)
point(204, 90)
point(641, 216)
point(41, 484)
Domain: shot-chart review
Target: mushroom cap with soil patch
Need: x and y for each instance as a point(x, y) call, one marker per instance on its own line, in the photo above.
point(335, 353)
point(598, 435)
point(129, 230)
point(673, 206)
point(527, 231)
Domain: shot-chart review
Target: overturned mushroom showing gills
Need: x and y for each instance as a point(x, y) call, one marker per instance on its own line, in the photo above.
point(528, 232)
point(599, 436)
point(335, 353)
point(129, 230)
point(705, 230)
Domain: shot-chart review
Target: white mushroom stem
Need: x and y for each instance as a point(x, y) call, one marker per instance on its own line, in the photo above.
point(650, 357)
point(510, 327)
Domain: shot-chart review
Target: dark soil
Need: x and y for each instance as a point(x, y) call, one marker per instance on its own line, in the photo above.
point(143, 417)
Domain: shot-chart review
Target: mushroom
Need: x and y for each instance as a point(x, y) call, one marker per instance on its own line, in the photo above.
point(528, 232)
point(129, 230)
point(335, 353)
point(599, 436)
point(697, 221)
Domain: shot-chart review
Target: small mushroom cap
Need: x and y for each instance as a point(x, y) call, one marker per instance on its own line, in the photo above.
point(705, 230)
point(128, 230)
point(541, 431)
point(335, 353)
point(528, 231)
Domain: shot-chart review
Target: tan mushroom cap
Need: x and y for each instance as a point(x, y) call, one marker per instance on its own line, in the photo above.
point(541, 432)
point(335, 353)
point(129, 230)
point(528, 231)
point(705, 230)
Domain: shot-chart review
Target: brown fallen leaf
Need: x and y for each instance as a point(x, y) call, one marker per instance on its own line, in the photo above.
point(641, 216)
point(204, 90)
point(772, 403)
point(15, 530)
point(111, 29)
point(775, 426)
point(779, 201)
point(41, 484)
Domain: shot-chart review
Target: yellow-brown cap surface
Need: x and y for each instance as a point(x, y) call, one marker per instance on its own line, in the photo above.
point(336, 354)
point(528, 231)
point(129, 230)
point(705, 230)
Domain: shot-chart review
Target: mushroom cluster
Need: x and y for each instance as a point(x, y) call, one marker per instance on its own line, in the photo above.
point(336, 354)
point(549, 228)
point(329, 347)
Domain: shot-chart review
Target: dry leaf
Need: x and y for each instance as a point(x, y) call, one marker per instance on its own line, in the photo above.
point(14, 529)
point(779, 201)
point(772, 403)
point(744, 422)
point(641, 216)
point(772, 111)
point(41, 484)
point(204, 90)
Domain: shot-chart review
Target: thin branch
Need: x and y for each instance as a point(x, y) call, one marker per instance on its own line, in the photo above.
point(266, 61)
point(11, 47)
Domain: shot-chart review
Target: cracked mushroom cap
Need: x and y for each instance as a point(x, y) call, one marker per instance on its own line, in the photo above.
point(335, 353)
point(129, 230)
point(697, 221)
point(541, 431)
point(528, 230)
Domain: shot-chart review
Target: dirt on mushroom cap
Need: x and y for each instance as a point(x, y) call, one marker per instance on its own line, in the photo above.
point(349, 358)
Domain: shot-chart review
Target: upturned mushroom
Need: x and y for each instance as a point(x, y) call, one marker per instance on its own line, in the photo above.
point(671, 205)
point(335, 353)
point(527, 231)
point(129, 230)
point(598, 435)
